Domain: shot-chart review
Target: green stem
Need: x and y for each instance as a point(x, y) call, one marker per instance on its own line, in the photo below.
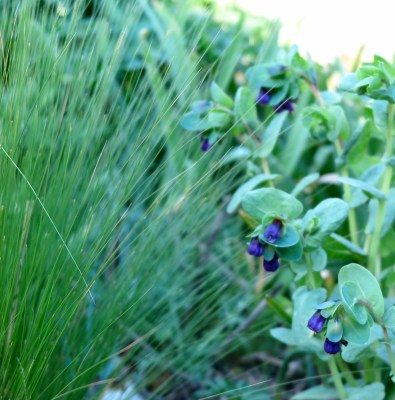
point(387, 340)
point(368, 371)
point(352, 217)
point(346, 372)
point(310, 272)
point(266, 169)
point(374, 259)
point(389, 351)
point(337, 379)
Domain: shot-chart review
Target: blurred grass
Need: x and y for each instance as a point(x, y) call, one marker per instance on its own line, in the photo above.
point(92, 94)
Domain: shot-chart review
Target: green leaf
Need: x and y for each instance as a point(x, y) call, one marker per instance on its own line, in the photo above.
point(231, 56)
point(325, 218)
point(374, 391)
point(389, 214)
point(330, 312)
point(218, 118)
point(292, 253)
point(380, 114)
point(354, 332)
point(246, 187)
point(320, 121)
point(369, 288)
point(358, 352)
point(220, 97)
point(341, 128)
point(370, 176)
point(331, 97)
point(350, 294)
point(369, 190)
point(384, 94)
point(280, 95)
point(391, 161)
point(193, 121)
point(360, 143)
point(236, 154)
point(319, 259)
point(317, 392)
point(304, 183)
point(271, 134)
point(259, 202)
point(299, 335)
point(348, 244)
point(259, 76)
point(348, 83)
point(245, 107)
point(325, 305)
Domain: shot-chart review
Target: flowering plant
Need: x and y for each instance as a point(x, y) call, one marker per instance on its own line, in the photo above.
point(286, 107)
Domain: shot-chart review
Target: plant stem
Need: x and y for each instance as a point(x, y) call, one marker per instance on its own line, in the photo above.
point(387, 340)
point(352, 218)
point(266, 169)
point(368, 371)
point(374, 260)
point(336, 378)
point(346, 372)
point(390, 354)
point(310, 272)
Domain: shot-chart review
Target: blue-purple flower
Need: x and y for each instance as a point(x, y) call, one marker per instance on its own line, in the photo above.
point(255, 248)
point(272, 265)
point(316, 322)
point(334, 328)
point(205, 146)
point(331, 347)
point(273, 232)
point(286, 105)
point(263, 96)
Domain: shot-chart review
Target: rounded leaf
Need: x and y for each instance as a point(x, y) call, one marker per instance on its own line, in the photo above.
point(245, 188)
point(293, 253)
point(354, 332)
point(350, 294)
point(366, 284)
point(259, 202)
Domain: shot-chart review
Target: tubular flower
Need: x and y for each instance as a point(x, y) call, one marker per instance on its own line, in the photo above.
point(287, 105)
point(316, 322)
point(272, 265)
point(273, 231)
point(205, 146)
point(263, 96)
point(255, 248)
point(333, 347)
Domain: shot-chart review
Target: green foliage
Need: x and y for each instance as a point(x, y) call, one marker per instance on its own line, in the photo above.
point(120, 264)
point(357, 283)
point(299, 334)
point(258, 203)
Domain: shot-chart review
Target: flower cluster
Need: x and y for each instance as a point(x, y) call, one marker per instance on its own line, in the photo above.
point(256, 248)
point(266, 94)
point(324, 316)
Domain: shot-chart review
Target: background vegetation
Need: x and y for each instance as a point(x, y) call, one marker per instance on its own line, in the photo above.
point(119, 263)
